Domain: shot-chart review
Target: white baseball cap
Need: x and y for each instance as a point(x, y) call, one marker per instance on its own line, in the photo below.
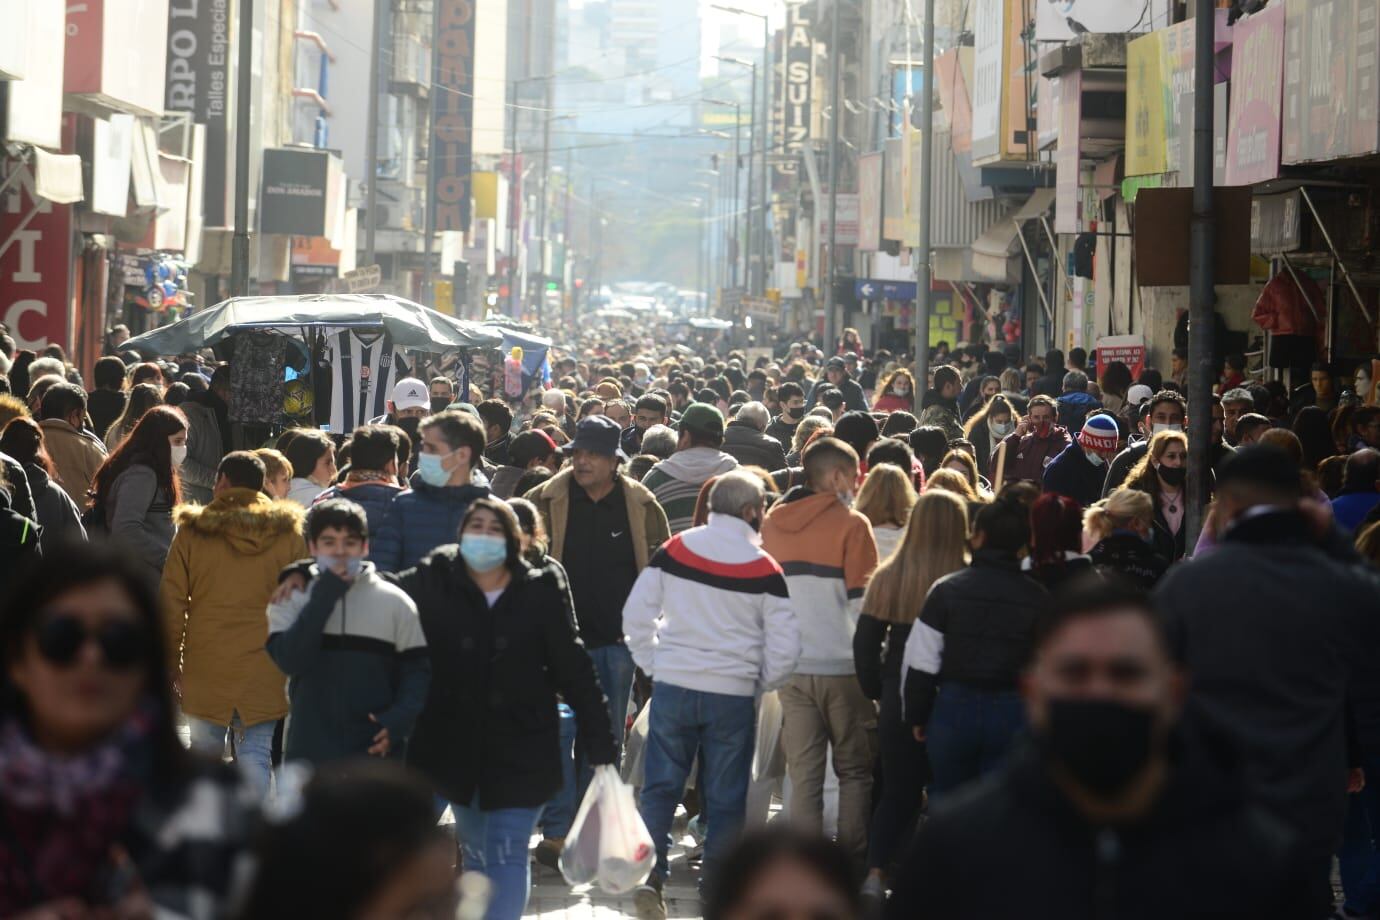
point(1138, 394)
point(411, 393)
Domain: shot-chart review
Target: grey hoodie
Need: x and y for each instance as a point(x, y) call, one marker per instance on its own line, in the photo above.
point(676, 481)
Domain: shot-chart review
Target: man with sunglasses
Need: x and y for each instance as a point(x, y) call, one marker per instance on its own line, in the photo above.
point(1110, 800)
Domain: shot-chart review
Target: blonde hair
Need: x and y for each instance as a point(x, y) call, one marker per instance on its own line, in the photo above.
point(275, 463)
point(965, 460)
point(1118, 510)
point(886, 496)
point(806, 429)
point(1368, 544)
point(935, 544)
point(951, 481)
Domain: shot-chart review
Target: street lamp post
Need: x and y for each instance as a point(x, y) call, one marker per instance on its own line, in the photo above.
point(737, 137)
point(766, 121)
point(753, 125)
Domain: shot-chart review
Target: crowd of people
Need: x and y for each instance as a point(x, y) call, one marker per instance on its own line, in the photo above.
point(960, 628)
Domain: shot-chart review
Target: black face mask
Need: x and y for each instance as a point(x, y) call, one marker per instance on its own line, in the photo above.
point(1102, 744)
point(1173, 475)
point(410, 426)
point(439, 403)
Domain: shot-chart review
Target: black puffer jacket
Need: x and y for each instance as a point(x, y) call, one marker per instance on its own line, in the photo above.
point(751, 447)
point(1205, 852)
point(490, 723)
point(986, 615)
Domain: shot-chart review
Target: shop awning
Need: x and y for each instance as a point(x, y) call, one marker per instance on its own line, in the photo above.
point(1001, 241)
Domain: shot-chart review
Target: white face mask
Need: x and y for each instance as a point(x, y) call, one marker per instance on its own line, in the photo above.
point(1094, 457)
point(1002, 429)
point(179, 454)
point(1158, 427)
point(901, 389)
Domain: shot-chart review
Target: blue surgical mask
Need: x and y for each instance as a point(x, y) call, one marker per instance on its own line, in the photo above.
point(353, 564)
point(483, 552)
point(432, 469)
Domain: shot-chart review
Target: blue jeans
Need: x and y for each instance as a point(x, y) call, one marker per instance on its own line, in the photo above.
point(722, 729)
point(495, 845)
point(1358, 858)
point(614, 667)
point(560, 809)
point(969, 733)
point(253, 748)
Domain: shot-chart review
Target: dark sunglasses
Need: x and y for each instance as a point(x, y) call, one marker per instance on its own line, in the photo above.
point(123, 644)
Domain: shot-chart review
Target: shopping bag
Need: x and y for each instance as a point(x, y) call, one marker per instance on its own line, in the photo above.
point(608, 844)
point(768, 758)
point(635, 749)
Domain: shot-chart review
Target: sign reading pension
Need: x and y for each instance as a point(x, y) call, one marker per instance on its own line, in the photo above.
point(452, 115)
point(1331, 97)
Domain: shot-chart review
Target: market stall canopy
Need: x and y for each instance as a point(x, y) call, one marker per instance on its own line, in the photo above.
point(709, 322)
point(410, 325)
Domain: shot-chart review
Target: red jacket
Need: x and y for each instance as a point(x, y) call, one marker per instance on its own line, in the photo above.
point(1027, 456)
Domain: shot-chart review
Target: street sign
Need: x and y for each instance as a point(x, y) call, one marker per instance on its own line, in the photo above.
point(873, 289)
point(365, 279)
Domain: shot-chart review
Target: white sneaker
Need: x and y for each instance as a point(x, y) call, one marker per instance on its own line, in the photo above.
point(648, 904)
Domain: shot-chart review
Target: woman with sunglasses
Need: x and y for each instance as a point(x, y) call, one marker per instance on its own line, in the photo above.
point(102, 812)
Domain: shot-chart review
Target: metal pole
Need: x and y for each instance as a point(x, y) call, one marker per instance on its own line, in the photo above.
point(514, 182)
point(244, 91)
point(737, 174)
point(835, 117)
point(753, 127)
point(921, 317)
point(429, 224)
point(1202, 294)
point(371, 142)
point(541, 203)
point(766, 146)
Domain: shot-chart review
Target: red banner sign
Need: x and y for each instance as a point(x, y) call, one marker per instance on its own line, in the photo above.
point(35, 265)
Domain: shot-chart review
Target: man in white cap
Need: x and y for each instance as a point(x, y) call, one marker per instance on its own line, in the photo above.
point(1137, 395)
point(410, 404)
point(1080, 469)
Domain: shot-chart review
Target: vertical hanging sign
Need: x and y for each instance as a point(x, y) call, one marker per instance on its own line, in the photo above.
point(797, 87)
point(452, 116)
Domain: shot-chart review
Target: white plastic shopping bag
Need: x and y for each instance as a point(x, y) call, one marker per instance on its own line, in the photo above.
point(768, 757)
point(608, 844)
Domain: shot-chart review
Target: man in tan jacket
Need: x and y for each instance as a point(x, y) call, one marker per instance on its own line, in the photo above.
point(222, 567)
point(603, 528)
point(75, 452)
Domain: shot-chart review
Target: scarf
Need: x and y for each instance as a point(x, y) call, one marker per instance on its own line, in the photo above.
point(61, 817)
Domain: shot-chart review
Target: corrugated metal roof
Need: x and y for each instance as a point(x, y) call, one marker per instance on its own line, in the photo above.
point(955, 221)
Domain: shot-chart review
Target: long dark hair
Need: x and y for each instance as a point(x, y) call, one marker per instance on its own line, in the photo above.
point(756, 852)
point(512, 530)
point(23, 440)
point(142, 398)
point(59, 571)
point(146, 444)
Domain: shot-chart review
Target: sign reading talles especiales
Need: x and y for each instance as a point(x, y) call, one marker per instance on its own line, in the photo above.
point(452, 122)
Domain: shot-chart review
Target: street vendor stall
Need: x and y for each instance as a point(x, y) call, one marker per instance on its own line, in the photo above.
point(327, 360)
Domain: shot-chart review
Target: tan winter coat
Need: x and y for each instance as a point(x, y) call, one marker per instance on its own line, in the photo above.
point(222, 567)
point(646, 520)
point(76, 455)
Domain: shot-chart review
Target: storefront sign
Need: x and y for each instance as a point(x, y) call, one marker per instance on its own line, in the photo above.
point(294, 193)
point(952, 69)
point(845, 220)
point(1331, 97)
point(116, 52)
point(796, 86)
point(33, 107)
point(870, 202)
point(987, 78)
point(893, 204)
point(35, 266)
point(197, 80)
point(874, 289)
point(1275, 223)
point(452, 123)
point(1061, 20)
point(1128, 349)
point(1145, 91)
point(1257, 85)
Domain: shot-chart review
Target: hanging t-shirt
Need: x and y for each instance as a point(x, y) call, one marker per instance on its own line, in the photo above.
point(364, 368)
point(256, 377)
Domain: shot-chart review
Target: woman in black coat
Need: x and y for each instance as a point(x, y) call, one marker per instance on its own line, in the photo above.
point(502, 641)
